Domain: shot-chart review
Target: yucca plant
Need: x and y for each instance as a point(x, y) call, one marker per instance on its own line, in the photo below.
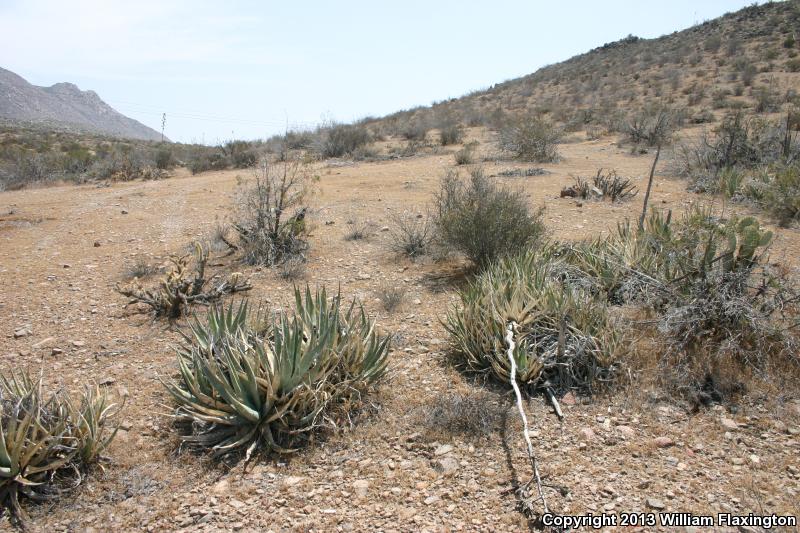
point(243, 387)
point(564, 337)
point(42, 440)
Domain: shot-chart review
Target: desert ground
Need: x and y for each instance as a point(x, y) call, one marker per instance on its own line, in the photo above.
point(63, 250)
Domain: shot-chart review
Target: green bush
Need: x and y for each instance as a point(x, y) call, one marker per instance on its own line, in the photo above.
point(484, 220)
point(246, 385)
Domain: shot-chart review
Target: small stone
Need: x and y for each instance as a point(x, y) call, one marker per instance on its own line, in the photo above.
point(738, 461)
point(443, 450)
point(221, 487)
point(569, 399)
point(124, 212)
point(107, 381)
point(97, 244)
point(754, 459)
point(728, 424)
point(291, 481)
point(446, 465)
point(663, 442)
point(23, 332)
point(56, 351)
point(385, 228)
point(78, 344)
point(361, 487)
point(587, 433)
point(626, 431)
point(654, 503)
point(431, 500)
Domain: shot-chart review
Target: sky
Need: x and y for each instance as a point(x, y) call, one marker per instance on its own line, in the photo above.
point(246, 69)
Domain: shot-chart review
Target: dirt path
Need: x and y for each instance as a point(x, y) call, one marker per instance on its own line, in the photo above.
point(63, 249)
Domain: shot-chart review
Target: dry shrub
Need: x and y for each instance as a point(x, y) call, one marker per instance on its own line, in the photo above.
point(391, 296)
point(532, 139)
point(484, 220)
point(269, 217)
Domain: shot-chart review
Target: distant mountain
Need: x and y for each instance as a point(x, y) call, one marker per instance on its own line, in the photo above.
point(65, 106)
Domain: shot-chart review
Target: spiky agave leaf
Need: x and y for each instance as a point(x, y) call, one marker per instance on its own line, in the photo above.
point(246, 389)
point(563, 336)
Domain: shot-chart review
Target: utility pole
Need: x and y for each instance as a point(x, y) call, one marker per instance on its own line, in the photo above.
point(163, 123)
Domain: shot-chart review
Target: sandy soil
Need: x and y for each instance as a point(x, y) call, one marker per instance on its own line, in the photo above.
point(63, 249)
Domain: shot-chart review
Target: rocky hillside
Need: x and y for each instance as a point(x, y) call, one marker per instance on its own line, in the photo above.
point(65, 106)
point(747, 59)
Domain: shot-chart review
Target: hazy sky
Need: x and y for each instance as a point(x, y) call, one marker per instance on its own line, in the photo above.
point(241, 68)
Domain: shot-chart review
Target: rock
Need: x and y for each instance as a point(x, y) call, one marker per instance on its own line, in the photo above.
point(42, 342)
point(754, 459)
point(431, 500)
point(221, 488)
point(728, 424)
point(738, 461)
point(472, 485)
point(569, 399)
point(385, 228)
point(78, 344)
point(654, 503)
point(626, 431)
point(587, 434)
point(446, 465)
point(97, 244)
point(663, 442)
point(20, 333)
point(124, 212)
point(363, 275)
point(443, 450)
point(56, 351)
point(291, 481)
point(106, 381)
point(361, 486)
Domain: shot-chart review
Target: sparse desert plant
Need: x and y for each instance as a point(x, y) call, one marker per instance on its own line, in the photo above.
point(651, 127)
point(268, 234)
point(412, 235)
point(472, 414)
point(358, 230)
point(451, 134)
point(533, 139)
point(781, 195)
point(293, 268)
point(139, 268)
point(522, 172)
point(47, 440)
point(466, 156)
point(391, 296)
point(564, 337)
point(342, 140)
point(269, 389)
point(183, 286)
point(484, 220)
point(614, 187)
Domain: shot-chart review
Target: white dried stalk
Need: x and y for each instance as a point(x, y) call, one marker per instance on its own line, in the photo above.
point(511, 346)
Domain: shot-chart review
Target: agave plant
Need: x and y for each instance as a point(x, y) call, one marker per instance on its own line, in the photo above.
point(243, 387)
point(564, 337)
point(40, 438)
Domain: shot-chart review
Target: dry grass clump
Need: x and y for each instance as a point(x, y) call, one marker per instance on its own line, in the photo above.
point(251, 385)
point(412, 235)
point(391, 296)
point(451, 134)
point(358, 230)
point(139, 268)
point(48, 443)
point(471, 414)
point(484, 220)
